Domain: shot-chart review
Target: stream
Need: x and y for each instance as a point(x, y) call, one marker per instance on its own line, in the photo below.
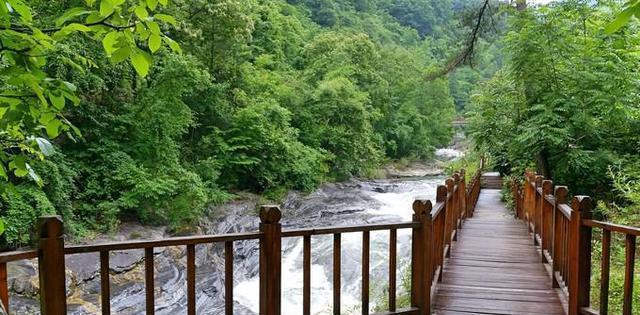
point(349, 203)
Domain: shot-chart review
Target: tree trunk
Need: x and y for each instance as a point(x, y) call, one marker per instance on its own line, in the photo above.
point(542, 164)
point(521, 5)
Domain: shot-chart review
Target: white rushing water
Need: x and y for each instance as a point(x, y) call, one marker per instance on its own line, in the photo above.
point(394, 204)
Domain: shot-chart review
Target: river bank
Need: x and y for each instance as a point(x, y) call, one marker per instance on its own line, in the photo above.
point(351, 202)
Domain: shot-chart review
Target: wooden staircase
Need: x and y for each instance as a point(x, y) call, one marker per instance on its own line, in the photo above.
point(491, 180)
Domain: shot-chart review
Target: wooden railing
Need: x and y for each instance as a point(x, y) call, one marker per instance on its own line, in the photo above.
point(434, 228)
point(564, 234)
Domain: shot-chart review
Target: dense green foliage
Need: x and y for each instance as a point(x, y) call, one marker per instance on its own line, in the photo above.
point(261, 95)
point(566, 105)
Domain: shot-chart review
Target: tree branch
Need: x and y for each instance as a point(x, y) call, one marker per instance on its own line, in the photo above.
point(467, 53)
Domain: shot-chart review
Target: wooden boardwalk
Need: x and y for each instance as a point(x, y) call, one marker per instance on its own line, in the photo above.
point(494, 267)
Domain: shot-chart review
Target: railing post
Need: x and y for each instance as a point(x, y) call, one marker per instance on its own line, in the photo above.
point(579, 255)
point(53, 289)
point(270, 260)
point(451, 212)
point(441, 196)
point(537, 210)
point(560, 194)
point(422, 257)
point(546, 221)
point(456, 200)
point(463, 195)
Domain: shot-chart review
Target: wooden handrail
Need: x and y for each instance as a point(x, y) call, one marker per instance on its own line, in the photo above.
point(564, 234)
point(434, 228)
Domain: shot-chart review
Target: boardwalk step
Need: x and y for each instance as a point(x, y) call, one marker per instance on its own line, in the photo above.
point(494, 267)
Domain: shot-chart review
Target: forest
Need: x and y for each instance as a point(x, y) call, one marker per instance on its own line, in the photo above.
point(153, 110)
point(119, 110)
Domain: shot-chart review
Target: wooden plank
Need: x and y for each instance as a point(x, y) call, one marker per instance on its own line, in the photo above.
point(105, 290)
point(191, 279)
point(630, 255)
point(393, 240)
point(4, 288)
point(336, 273)
point(149, 281)
point(306, 277)
point(365, 272)
point(604, 272)
point(494, 267)
point(228, 278)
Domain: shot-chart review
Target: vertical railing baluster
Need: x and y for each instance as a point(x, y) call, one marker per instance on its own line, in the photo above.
point(105, 290)
point(579, 255)
point(4, 287)
point(336, 272)
point(441, 197)
point(545, 232)
point(630, 255)
point(149, 280)
point(191, 279)
point(51, 266)
point(228, 278)
point(463, 196)
point(393, 239)
point(451, 213)
point(422, 257)
point(306, 281)
point(365, 272)
point(604, 272)
point(270, 260)
point(560, 193)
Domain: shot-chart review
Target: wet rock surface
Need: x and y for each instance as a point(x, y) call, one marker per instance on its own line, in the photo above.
point(331, 205)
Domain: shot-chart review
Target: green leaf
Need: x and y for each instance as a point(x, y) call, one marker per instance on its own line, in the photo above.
point(53, 128)
point(19, 165)
point(172, 44)
point(46, 118)
point(155, 42)
point(109, 42)
point(166, 18)
point(23, 10)
point(141, 61)
point(152, 4)
point(106, 7)
point(34, 176)
point(164, 2)
point(57, 101)
point(120, 55)
point(70, 14)
point(69, 29)
point(621, 20)
point(153, 27)
point(3, 110)
point(141, 12)
point(45, 146)
point(2, 223)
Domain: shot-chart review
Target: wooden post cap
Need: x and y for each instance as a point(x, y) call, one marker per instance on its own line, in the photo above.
point(581, 203)
point(561, 193)
point(422, 206)
point(270, 214)
point(50, 226)
point(547, 186)
point(538, 180)
point(441, 193)
point(456, 177)
point(449, 183)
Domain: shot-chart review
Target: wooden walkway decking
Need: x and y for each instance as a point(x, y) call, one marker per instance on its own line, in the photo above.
point(494, 267)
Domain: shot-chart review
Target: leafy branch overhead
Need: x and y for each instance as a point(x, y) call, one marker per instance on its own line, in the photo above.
point(632, 8)
point(31, 101)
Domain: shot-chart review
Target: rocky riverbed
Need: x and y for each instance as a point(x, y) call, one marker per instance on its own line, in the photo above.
point(353, 202)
